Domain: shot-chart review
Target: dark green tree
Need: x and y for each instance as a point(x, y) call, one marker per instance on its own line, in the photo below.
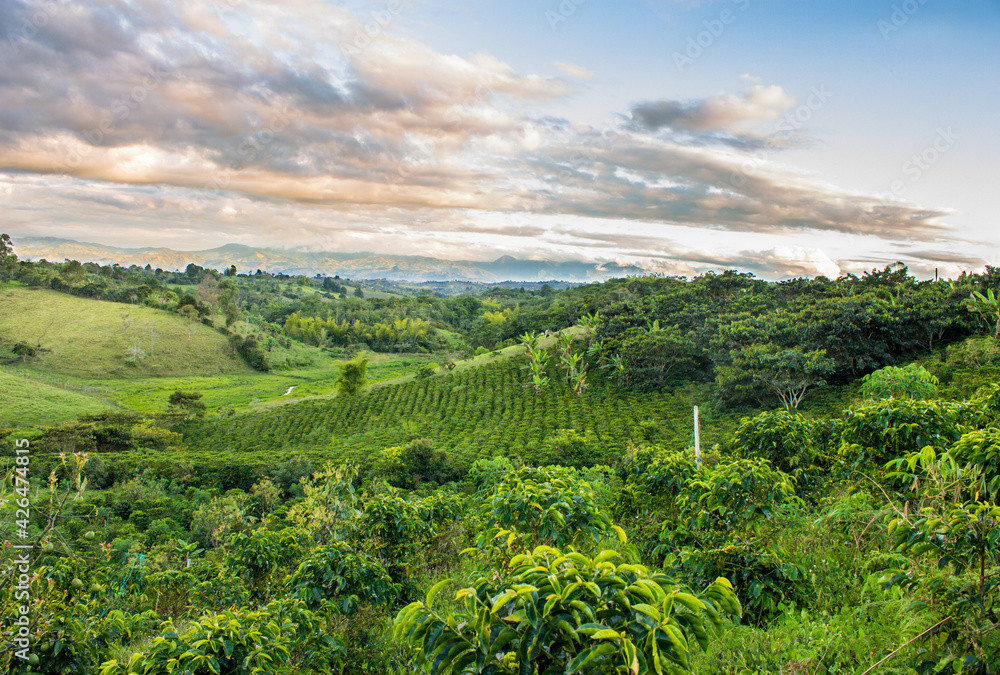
point(784, 372)
point(8, 259)
point(189, 401)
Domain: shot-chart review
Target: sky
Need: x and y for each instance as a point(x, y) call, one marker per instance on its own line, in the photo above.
point(779, 137)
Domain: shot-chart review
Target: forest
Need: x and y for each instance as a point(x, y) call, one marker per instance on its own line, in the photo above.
point(245, 472)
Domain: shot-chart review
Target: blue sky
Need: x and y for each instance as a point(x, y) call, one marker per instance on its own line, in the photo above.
point(783, 144)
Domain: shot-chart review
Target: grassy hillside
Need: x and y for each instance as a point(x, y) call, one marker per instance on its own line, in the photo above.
point(473, 413)
point(91, 338)
point(25, 402)
point(249, 391)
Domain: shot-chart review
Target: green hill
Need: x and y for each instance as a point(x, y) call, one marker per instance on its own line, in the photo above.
point(25, 402)
point(474, 413)
point(93, 338)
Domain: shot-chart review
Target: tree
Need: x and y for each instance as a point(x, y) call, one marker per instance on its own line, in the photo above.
point(785, 372)
point(353, 376)
point(73, 271)
point(958, 528)
point(135, 353)
point(24, 351)
point(214, 521)
point(189, 401)
point(191, 314)
point(912, 381)
point(208, 289)
point(329, 509)
point(358, 293)
point(337, 573)
point(539, 362)
point(788, 440)
point(267, 494)
point(284, 637)
point(415, 463)
point(548, 505)
point(228, 298)
point(7, 256)
point(654, 357)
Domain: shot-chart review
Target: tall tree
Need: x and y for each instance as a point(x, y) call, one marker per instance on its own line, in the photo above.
point(353, 376)
point(785, 372)
point(7, 256)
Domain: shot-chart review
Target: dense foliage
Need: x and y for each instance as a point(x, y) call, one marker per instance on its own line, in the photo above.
point(537, 507)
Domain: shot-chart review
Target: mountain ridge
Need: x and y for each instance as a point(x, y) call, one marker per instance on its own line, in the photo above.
point(361, 265)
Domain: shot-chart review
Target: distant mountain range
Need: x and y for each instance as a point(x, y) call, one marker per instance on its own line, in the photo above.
point(364, 265)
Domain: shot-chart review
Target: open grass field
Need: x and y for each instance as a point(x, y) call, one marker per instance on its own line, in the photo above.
point(90, 338)
point(250, 391)
point(24, 402)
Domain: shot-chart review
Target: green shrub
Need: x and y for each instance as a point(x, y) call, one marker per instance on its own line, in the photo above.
point(912, 381)
point(259, 557)
point(337, 574)
point(788, 440)
point(545, 505)
point(565, 612)
point(283, 638)
point(891, 428)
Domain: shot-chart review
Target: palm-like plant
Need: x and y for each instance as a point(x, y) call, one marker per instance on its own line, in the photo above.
point(988, 306)
point(187, 550)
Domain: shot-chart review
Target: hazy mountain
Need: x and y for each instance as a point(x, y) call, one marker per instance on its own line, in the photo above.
point(364, 265)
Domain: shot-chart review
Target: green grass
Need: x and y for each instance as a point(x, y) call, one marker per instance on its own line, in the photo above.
point(24, 402)
point(249, 391)
point(90, 338)
point(243, 392)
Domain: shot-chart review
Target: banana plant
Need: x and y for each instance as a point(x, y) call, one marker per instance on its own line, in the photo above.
point(988, 306)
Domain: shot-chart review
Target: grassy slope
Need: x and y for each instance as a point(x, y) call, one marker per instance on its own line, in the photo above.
point(252, 391)
point(24, 402)
point(472, 413)
point(89, 338)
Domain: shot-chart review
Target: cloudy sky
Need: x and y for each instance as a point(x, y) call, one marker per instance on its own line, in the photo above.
point(783, 137)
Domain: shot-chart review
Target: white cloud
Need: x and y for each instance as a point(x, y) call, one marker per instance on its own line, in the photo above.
point(573, 70)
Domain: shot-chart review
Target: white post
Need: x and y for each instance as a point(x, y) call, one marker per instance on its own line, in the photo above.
point(697, 439)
